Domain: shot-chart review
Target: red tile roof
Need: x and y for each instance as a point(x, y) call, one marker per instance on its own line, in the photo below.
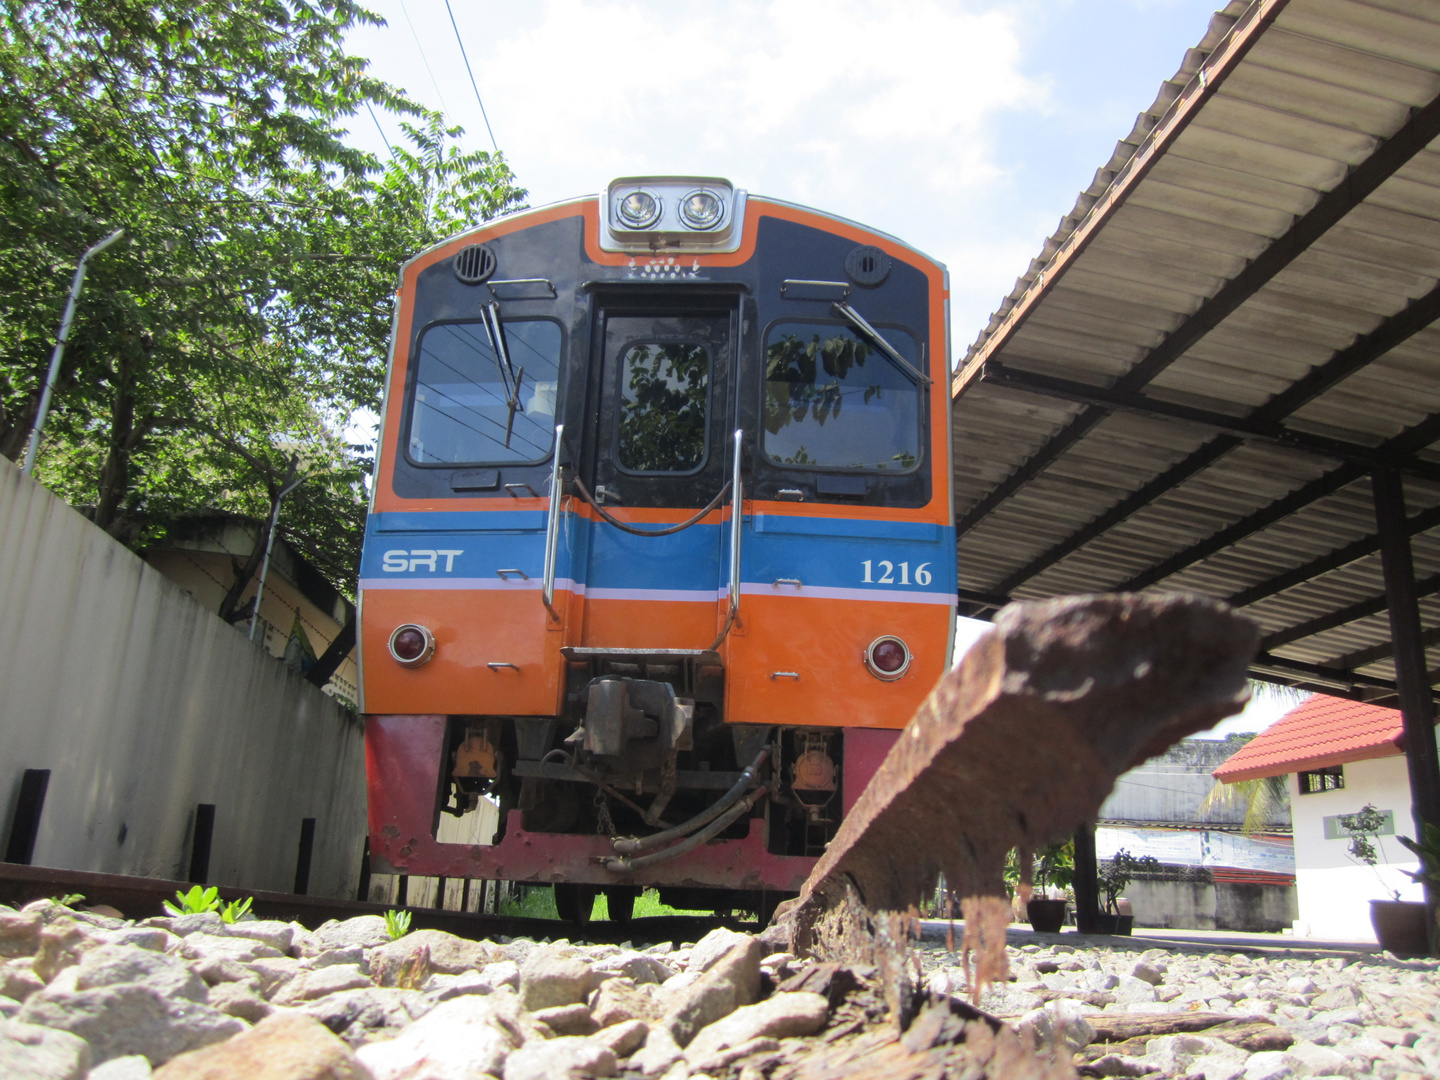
point(1323, 731)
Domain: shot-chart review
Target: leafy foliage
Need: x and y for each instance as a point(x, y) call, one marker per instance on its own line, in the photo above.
point(245, 313)
point(1056, 866)
point(1427, 850)
point(1117, 872)
point(199, 900)
point(1364, 847)
point(195, 902)
point(397, 924)
point(1262, 799)
point(1364, 828)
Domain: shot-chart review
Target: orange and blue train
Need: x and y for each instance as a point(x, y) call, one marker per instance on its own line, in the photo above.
point(660, 555)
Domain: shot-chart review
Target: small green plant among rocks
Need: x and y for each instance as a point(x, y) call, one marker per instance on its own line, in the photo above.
point(200, 900)
point(397, 924)
point(235, 910)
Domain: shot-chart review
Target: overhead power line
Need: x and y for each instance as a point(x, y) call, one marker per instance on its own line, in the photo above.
point(381, 130)
point(444, 109)
point(473, 86)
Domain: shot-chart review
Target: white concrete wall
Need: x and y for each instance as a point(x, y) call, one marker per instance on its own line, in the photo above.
point(1332, 891)
point(142, 704)
point(1205, 905)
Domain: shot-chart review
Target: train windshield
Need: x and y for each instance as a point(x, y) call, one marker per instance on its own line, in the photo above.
point(833, 400)
point(472, 407)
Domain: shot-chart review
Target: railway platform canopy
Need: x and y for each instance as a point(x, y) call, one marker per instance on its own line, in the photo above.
point(1222, 372)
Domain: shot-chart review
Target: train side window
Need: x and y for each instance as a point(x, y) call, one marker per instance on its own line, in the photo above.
point(664, 393)
point(470, 408)
point(832, 400)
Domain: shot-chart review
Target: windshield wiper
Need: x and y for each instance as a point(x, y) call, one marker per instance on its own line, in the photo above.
point(884, 346)
point(508, 377)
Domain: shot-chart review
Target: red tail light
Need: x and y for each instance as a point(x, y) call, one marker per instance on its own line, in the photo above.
point(887, 658)
point(411, 644)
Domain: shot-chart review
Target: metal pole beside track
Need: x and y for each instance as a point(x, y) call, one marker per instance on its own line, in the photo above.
point(269, 546)
point(54, 372)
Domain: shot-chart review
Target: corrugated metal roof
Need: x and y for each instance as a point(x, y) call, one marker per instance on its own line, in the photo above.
point(1191, 385)
point(1321, 732)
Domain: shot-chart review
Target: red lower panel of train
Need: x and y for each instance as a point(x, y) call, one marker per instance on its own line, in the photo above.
point(403, 764)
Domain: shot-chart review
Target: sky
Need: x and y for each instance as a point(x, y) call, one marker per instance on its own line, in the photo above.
point(965, 128)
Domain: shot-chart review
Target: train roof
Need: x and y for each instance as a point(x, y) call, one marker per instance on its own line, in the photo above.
point(581, 200)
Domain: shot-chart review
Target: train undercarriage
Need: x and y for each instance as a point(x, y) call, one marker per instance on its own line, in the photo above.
point(641, 783)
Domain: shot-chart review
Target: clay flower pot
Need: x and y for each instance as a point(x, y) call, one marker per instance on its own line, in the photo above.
point(1046, 916)
point(1401, 926)
point(1108, 923)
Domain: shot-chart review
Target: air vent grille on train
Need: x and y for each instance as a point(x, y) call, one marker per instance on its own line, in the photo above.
point(474, 264)
point(867, 265)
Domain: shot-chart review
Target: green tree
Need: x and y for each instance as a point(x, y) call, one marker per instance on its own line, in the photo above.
point(1265, 798)
point(245, 314)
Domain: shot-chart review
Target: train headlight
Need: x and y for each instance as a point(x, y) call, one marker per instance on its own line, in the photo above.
point(702, 209)
point(887, 658)
point(639, 209)
point(411, 644)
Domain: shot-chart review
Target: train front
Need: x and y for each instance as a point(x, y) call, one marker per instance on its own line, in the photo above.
point(660, 554)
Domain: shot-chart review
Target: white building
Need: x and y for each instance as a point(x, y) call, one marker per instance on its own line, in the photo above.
point(1339, 756)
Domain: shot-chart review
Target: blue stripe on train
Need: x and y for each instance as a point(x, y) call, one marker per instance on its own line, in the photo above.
point(823, 553)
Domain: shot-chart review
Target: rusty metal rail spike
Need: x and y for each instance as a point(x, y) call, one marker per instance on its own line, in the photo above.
point(1016, 748)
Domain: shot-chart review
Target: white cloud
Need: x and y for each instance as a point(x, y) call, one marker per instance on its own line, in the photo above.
point(881, 112)
point(788, 97)
point(964, 127)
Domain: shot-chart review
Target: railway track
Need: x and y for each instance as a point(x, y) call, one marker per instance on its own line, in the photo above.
point(1015, 748)
point(139, 898)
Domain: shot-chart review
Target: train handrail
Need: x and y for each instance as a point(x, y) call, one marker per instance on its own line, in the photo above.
point(737, 501)
point(552, 529)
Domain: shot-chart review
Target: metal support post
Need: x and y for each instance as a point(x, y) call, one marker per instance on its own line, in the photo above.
point(1087, 880)
point(1417, 708)
point(291, 483)
point(61, 338)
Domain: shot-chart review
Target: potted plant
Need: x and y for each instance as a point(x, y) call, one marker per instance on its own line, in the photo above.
point(1400, 925)
point(1055, 870)
point(1115, 874)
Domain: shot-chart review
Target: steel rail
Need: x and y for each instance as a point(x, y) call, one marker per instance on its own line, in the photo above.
point(139, 898)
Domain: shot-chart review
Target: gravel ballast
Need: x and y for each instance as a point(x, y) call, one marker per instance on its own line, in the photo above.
point(83, 995)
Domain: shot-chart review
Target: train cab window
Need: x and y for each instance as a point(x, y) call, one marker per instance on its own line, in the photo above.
point(833, 400)
point(664, 391)
point(470, 406)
